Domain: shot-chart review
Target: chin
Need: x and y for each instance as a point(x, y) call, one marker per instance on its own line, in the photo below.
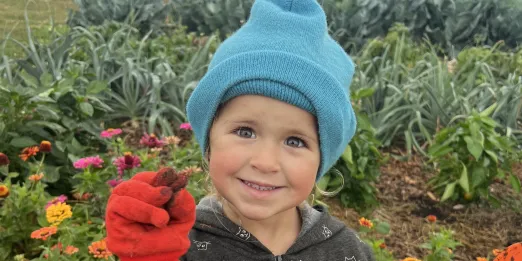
point(257, 212)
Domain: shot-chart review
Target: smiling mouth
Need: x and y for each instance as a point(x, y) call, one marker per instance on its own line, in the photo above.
point(258, 186)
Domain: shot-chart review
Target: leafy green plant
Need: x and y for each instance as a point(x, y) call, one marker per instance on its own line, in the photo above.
point(373, 233)
point(470, 156)
point(145, 15)
point(359, 164)
point(208, 17)
point(441, 245)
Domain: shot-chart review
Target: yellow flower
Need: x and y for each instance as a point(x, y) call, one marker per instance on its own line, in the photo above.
point(365, 223)
point(173, 140)
point(57, 213)
point(411, 259)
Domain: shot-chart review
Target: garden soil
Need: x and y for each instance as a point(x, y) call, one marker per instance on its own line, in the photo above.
point(405, 201)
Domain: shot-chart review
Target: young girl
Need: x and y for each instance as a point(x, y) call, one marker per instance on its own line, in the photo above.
point(272, 115)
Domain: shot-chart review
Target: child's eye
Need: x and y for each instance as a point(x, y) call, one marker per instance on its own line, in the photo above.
point(295, 142)
point(245, 132)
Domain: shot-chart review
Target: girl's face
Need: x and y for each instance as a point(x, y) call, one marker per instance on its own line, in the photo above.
point(264, 155)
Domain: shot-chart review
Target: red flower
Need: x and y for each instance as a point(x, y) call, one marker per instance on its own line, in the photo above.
point(431, 218)
point(29, 152)
point(4, 160)
point(127, 162)
point(45, 146)
point(152, 141)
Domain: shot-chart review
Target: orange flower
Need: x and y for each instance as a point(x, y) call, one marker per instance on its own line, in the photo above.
point(4, 160)
point(496, 252)
point(4, 191)
point(45, 146)
point(99, 249)
point(382, 246)
point(29, 152)
point(36, 177)
point(44, 232)
point(431, 218)
point(411, 259)
point(482, 259)
point(365, 223)
point(70, 250)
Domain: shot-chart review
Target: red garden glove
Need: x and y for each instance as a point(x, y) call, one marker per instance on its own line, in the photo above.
point(150, 216)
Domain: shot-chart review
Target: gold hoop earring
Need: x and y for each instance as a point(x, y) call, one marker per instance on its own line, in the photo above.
point(336, 191)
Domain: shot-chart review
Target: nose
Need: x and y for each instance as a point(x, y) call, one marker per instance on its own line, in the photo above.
point(265, 158)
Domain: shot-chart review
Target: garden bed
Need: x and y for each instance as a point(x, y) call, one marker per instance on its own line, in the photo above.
point(405, 203)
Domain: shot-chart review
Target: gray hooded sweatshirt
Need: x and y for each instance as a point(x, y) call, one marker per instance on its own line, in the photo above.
point(322, 237)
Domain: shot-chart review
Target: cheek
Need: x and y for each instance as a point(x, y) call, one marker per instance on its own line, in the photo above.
point(302, 173)
point(225, 159)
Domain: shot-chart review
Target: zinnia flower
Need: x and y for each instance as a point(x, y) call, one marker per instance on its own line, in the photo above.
point(185, 126)
point(45, 146)
point(99, 249)
point(69, 250)
point(58, 212)
point(36, 177)
point(482, 259)
point(382, 246)
point(84, 196)
point(44, 233)
point(173, 140)
point(365, 223)
point(114, 182)
point(431, 218)
point(497, 252)
point(84, 163)
point(4, 191)
point(4, 160)
point(127, 162)
point(59, 199)
point(411, 259)
point(108, 133)
point(29, 152)
point(151, 141)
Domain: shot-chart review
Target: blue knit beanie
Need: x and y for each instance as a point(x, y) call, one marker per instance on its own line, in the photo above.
point(283, 52)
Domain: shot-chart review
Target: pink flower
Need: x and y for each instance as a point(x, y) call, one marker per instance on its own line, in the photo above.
point(108, 133)
point(185, 126)
point(84, 163)
point(126, 162)
point(61, 198)
point(114, 182)
point(152, 141)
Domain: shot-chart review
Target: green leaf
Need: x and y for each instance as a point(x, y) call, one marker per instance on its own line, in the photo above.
point(87, 108)
point(51, 125)
point(347, 155)
point(96, 87)
point(51, 174)
point(448, 192)
point(383, 228)
point(478, 176)
point(22, 142)
point(473, 147)
point(488, 110)
point(440, 150)
point(476, 135)
point(364, 92)
point(492, 155)
point(13, 174)
point(515, 183)
point(464, 181)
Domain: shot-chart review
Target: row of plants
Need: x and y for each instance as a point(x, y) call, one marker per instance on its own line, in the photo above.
point(73, 82)
point(452, 24)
